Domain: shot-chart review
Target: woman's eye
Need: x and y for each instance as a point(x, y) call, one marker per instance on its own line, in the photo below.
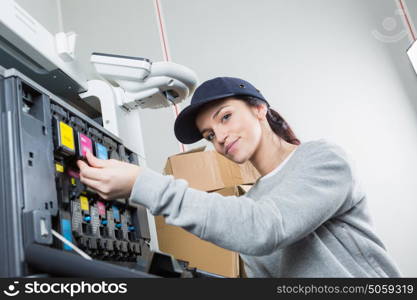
point(226, 117)
point(210, 137)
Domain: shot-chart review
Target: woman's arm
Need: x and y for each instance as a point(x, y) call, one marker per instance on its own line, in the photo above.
point(311, 194)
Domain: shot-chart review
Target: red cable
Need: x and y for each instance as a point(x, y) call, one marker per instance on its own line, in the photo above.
point(164, 43)
point(407, 20)
point(166, 53)
point(176, 109)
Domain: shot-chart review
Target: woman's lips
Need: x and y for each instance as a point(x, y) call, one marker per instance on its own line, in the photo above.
point(232, 147)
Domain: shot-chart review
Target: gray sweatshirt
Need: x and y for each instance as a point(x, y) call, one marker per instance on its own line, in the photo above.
point(310, 219)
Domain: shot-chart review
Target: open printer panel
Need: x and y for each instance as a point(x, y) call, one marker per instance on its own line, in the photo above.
point(41, 139)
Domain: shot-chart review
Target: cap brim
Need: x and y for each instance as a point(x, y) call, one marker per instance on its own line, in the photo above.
point(185, 128)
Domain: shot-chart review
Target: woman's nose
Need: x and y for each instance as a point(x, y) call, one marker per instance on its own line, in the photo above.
point(221, 136)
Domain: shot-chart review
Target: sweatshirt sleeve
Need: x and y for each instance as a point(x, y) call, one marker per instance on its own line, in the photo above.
point(312, 193)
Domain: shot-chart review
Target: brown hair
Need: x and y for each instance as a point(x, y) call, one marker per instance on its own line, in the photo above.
point(277, 123)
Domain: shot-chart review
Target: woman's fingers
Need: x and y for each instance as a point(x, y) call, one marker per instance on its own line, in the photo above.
point(99, 186)
point(94, 184)
point(111, 179)
point(89, 172)
point(94, 161)
point(81, 164)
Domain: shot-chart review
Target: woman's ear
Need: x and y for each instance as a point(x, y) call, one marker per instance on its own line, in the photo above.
point(261, 111)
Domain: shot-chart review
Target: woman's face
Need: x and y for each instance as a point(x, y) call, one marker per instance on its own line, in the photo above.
point(233, 127)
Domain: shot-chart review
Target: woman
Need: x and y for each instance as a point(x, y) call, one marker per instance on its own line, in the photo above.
point(305, 217)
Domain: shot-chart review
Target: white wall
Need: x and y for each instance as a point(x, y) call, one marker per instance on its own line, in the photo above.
point(319, 64)
point(44, 11)
point(130, 28)
point(412, 11)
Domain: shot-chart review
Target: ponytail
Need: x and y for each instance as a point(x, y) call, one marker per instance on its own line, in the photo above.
point(278, 125)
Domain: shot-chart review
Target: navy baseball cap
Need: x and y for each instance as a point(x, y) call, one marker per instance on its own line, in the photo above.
point(217, 88)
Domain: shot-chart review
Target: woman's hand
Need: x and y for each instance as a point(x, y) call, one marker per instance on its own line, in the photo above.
point(112, 179)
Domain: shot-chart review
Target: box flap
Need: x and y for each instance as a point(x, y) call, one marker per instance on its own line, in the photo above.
point(168, 168)
point(236, 190)
point(249, 173)
point(245, 188)
point(199, 253)
point(209, 170)
point(200, 169)
point(198, 149)
point(229, 171)
point(228, 191)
